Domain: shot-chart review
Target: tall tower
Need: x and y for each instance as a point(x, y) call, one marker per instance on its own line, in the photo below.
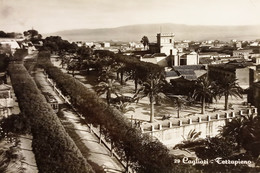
point(166, 43)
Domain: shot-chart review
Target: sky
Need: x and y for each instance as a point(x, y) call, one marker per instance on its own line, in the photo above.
point(49, 16)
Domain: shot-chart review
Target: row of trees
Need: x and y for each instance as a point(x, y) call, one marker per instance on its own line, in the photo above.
point(207, 90)
point(51, 144)
point(138, 150)
point(7, 35)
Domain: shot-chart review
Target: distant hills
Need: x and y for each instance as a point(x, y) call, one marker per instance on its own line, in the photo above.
point(182, 32)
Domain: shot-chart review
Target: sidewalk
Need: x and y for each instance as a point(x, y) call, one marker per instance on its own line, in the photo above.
point(98, 153)
point(28, 160)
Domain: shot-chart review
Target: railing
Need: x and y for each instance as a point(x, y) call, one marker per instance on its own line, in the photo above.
point(205, 119)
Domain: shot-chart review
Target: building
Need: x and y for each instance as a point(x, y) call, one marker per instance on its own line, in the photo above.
point(156, 58)
point(5, 49)
point(182, 46)
point(184, 58)
point(239, 44)
point(6, 101)
point(154, 48)
point(175, 56)
point(105, 44)
point(237, 70)
point(190, 58)
point(89, 44)
point(29, 46)
point(243, 53)
point(256, 60)
point(165, 41)
point(9, 43)
point(213, 55)
point(254, 43)
point(254, 95)
point(190, 72)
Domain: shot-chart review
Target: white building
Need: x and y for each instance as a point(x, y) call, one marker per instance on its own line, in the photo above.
point(89, 44)
point(190, 58)
point(157, 58)
point(8, 42)
point(166, 43)
point(105, 44)
point(6, 101)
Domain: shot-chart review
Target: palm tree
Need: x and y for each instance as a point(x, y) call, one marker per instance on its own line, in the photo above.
point(205, 90)
point(120, 69)
point(151, 88)
point(73, 65)
point(123, 107)
point(110, 87)
point(192, 136)
point(180, 103)
point(65, 58)
point(107, 85)
point(242, 129)
point(228, 87)
point(145, 41)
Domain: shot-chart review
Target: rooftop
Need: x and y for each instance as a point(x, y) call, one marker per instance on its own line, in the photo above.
point(233, 65)
point(171, 74)
point(166, 34)
point(4, 87)
point(147, 56)
point(159, 55)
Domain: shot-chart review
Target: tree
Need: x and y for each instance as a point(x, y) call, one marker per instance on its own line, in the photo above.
point(110, 87)
point(3, 34)
point(122, 107)
point(151, 88)
point(85, 53)
point(179, 102)
point(65, 59)
point(145, 41)
point(216, 147)
point(107, 85)
point(73, 65)
point(205, 91)
point(228, 87)
point(32, 35)
point(242, 129)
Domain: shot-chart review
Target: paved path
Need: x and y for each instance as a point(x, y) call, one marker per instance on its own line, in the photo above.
point(98, 153)
point(28, 160)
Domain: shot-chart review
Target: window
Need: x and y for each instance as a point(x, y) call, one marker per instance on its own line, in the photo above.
point(170, 40)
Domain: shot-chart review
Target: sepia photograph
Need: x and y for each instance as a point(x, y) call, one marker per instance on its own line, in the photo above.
point(112, 86)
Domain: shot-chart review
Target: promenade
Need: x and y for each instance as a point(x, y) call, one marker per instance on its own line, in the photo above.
point(97, 153)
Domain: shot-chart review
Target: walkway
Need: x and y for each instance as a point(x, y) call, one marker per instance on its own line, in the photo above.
point(98, 153)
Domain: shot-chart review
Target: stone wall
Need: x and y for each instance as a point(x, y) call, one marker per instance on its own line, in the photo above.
point(173, 134)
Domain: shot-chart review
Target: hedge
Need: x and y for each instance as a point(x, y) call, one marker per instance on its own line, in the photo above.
point(54, 150)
